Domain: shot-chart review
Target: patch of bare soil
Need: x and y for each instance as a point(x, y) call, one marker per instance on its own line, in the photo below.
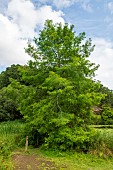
point(32, 162)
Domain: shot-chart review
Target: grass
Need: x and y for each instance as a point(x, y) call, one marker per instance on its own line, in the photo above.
point(9, 132)
point(10, 127)
point(73, 160)
point(105, 135)
point(102, 126)
point(102, 160)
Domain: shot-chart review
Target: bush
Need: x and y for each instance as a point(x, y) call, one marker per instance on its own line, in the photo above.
point(107, 115)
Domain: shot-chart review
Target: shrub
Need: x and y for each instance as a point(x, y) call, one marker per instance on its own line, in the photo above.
point(107, 115)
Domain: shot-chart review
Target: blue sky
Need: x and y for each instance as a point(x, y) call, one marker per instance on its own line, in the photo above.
point(20, 18)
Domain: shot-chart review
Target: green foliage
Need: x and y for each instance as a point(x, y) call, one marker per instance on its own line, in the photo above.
point(96, 119)
point(107, 115)
point(9, 104)
point(57, 102)
point(108, 100)
point(8, 93)
point(10, 72)
point(103, 111)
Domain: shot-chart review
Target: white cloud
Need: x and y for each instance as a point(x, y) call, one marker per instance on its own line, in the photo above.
point(63, 3)
point(23, 13)
point(11, 47)
point(17, 25)
point(58, 3)
point(46, 12)
point(110, 6)
point(85, 4)
point(103, 55)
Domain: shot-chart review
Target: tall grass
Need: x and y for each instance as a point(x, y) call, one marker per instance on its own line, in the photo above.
point(11, 127)
point(106, 136)
point(103, 143)
point(10, 134)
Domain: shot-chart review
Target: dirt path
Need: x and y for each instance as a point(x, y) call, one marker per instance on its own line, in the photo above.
point(32, 162)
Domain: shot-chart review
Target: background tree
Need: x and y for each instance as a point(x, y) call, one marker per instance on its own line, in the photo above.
point(104, 111)
point(108, 100)
point(57, 103)
point(9, 104)
point(8, 94)
point(10, 72)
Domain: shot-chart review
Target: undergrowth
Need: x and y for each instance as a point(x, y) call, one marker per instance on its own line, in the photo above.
point(9, 138)
point(98, 157)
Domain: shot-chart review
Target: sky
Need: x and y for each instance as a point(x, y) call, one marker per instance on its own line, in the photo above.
point(20, 20)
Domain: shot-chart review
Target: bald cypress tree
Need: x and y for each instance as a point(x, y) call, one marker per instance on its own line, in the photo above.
point(57, 104)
